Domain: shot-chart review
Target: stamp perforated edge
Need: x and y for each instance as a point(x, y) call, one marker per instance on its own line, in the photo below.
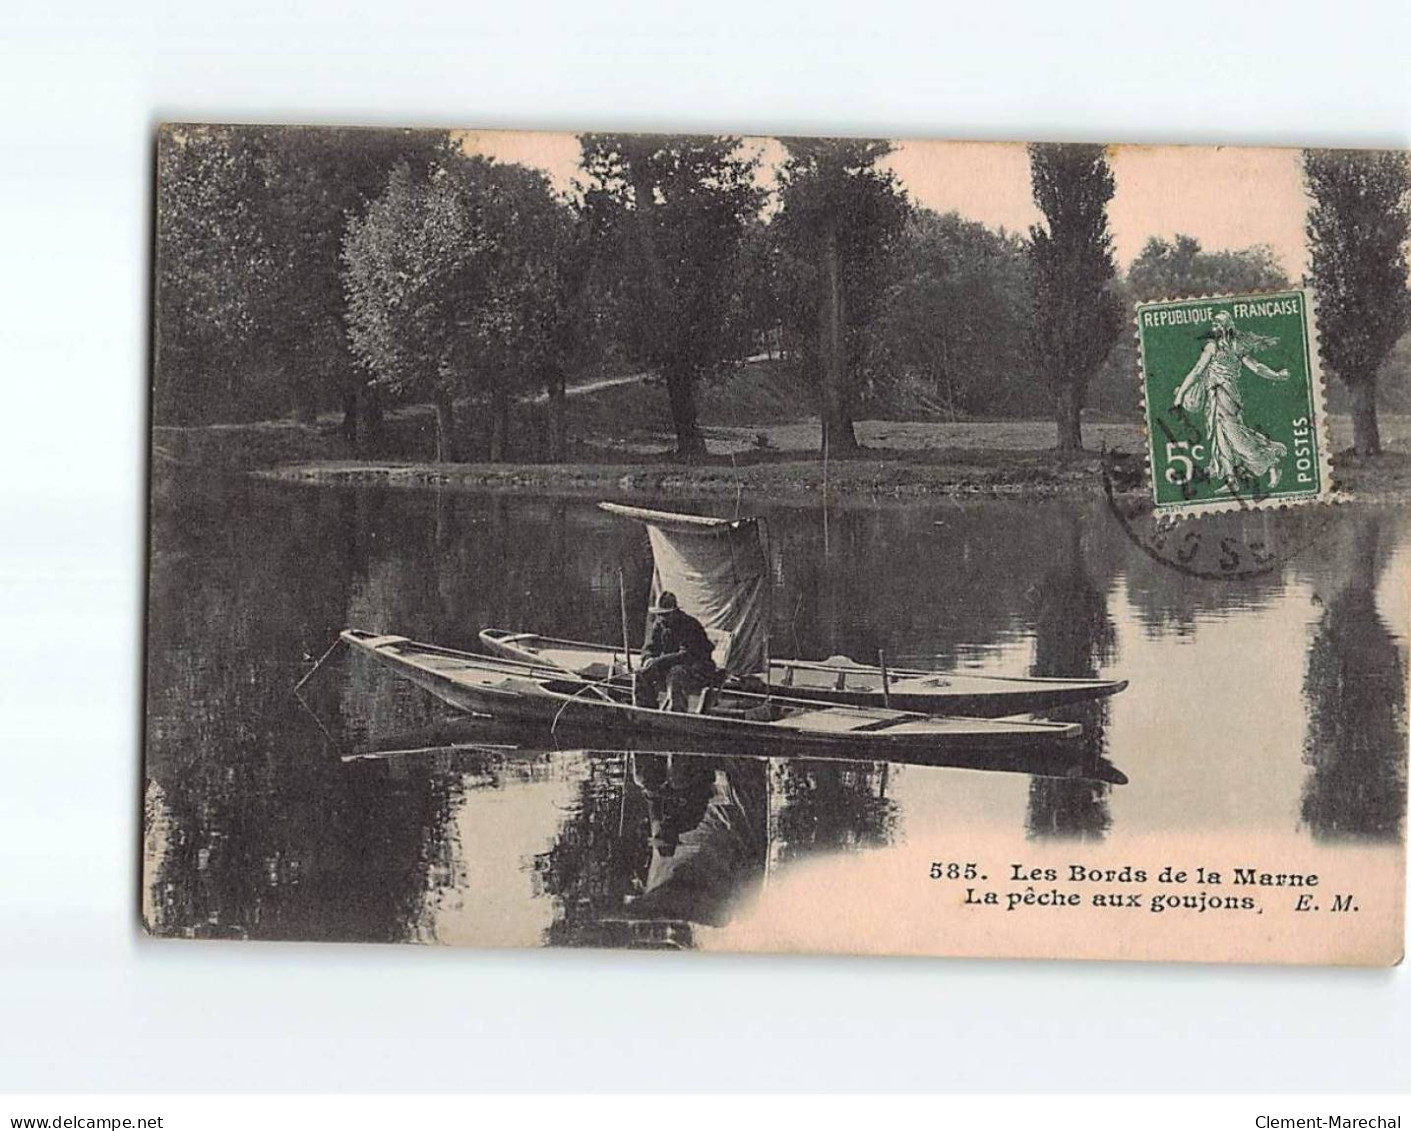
point(1327, 488)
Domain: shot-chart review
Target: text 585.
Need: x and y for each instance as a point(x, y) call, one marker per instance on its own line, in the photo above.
point(940, 870)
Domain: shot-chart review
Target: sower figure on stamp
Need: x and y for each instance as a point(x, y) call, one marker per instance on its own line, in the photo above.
point(1237, 451)
point(677, 657)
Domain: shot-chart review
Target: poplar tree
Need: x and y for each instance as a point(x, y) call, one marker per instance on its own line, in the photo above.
point(1357, 232)
point(1076, 316)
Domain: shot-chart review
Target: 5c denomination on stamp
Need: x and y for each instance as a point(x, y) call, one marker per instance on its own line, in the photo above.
point(1235, 414)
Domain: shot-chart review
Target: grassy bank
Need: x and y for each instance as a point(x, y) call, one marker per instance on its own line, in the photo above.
point(901, 460)
point(874, 475)
point(756, 445)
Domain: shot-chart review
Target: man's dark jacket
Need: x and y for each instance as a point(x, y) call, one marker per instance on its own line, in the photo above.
point(679, 632)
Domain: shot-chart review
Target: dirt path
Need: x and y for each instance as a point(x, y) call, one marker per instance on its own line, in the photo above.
point(591, 387)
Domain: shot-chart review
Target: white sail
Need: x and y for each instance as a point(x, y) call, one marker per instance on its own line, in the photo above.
point(718, 571)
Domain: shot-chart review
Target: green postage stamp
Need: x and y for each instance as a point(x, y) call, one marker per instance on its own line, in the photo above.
point(1234, 402)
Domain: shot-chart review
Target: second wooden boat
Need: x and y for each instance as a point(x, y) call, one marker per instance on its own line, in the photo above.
point(835, 681)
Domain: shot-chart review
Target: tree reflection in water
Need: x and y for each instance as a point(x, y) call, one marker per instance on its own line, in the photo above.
point(599, 860)
point(1355, 687)
point(1255, 545)
point(822, 807)
point(1073, 636)
point(261, 831)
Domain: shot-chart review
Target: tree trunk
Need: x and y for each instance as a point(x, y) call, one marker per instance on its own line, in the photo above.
point(1366, 435)
point(369, 418)
point(657, 317)
point(681, 388)
point(305, 406)
point(349, 427)
point(445, 427)
point(558, 418)
point(1069, 413)
point(680, 376)
point(499, 423)
point(839, 438)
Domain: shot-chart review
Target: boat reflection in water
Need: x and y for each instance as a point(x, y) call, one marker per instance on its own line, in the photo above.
point(659, 843)
point(708, 837)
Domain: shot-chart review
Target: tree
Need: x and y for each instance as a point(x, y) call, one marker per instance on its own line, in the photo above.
point(952, 327)
point(566, 317)
point(839, 219)
point(673, 211)
point(447, 279)
point(320, 179)
point(250, 226)
point(1182, 270)
point(1076, 317)
point(756, 311)
point(1357, 232)
point(211, 259)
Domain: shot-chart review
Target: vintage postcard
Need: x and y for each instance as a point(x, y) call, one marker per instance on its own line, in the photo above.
point(779, 544)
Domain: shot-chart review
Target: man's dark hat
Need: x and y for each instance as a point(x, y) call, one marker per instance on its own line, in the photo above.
point(665, 603)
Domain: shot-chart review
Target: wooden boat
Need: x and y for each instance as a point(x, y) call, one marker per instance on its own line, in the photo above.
point(838, 680)
point(728, 719)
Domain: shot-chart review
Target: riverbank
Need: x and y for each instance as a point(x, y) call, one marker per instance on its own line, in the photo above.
point(899, 460)
point(978, 473)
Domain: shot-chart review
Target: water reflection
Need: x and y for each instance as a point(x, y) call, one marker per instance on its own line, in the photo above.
point(1073, 636)
point(599, 860)
point(1356, 691)
point(257, 827)
point(1258, 545)
point(825, 807)
point(707, 819)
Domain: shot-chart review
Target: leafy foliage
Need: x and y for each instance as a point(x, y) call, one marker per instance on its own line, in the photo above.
point(671, 214)
point(251, 222)
point(951, 330)
point(212, 259)
point(453, 280)
point(840, 218)
point(1172, 269)
point(1076, 316)
point(1357, 233)
point(491, 286)
point(1182, 270)
point(319, 180)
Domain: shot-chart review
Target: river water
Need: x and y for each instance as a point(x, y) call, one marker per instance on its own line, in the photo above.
point(1274, 704)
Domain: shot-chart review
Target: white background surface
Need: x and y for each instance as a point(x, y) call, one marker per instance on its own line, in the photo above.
point(87, 1004)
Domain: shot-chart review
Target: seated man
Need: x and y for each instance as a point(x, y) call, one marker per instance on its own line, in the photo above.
point(677, 657)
